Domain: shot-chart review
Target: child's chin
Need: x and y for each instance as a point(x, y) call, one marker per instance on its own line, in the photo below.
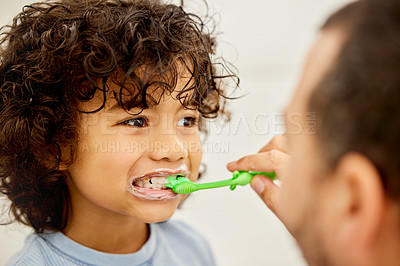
point(157, 218)
point(156, 213)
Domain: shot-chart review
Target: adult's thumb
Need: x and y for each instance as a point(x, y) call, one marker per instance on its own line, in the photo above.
point(267, 190)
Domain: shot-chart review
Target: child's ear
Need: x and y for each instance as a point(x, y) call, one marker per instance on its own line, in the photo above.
point(62, 167)
point(65, 158)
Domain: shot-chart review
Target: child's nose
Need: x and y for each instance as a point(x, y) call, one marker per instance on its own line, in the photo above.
point(168, 148)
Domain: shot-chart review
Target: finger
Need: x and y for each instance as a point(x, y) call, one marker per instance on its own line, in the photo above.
point(268, 192)
point(277, 143)
point(270, 161)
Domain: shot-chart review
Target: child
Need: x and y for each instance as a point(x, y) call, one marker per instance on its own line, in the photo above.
point(100, 102)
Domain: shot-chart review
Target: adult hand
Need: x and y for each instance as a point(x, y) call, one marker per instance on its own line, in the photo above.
point(271, 158)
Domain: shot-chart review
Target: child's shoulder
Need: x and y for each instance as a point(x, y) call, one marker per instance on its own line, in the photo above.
point(171, 243)
point(177, 237)
point(31, 253)
point(38, 250)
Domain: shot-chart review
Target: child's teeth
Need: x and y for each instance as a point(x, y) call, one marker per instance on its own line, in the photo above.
point(152, 183)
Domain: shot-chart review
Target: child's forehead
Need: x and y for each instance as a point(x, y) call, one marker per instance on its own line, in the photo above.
point(118, 98)
point(145, 88)
point(176, 76)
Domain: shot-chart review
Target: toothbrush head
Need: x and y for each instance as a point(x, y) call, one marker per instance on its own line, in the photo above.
point(181, 185)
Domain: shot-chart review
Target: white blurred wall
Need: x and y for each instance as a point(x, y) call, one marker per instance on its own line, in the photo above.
point(267, 40)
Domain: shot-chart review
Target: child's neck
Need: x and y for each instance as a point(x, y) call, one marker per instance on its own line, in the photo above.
point(108, 236)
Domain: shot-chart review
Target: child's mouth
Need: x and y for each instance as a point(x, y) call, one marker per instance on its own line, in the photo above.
point(150, 186)
point(152, 182)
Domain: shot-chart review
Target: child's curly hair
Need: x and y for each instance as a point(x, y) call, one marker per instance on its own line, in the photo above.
point(55, 54)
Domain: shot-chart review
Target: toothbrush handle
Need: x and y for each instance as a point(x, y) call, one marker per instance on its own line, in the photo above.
point(270, 175)
point(222, 183)
point(231, 182)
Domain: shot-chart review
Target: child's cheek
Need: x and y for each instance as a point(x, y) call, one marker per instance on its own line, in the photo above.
point(195, 152)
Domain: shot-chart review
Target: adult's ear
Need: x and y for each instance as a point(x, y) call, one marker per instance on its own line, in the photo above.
point(359, 206)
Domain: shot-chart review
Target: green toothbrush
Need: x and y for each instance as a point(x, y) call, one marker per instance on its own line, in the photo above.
point(182, 185)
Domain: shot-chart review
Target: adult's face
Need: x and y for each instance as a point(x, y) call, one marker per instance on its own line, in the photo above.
point(305, 198)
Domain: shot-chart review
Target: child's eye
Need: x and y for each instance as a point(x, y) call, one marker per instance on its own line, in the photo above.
point(137, 122)
point(187, 122)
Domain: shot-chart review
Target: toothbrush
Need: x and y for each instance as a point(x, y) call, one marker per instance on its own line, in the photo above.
point(182, 185)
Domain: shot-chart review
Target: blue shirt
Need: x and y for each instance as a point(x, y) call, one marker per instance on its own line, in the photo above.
point(170, 243)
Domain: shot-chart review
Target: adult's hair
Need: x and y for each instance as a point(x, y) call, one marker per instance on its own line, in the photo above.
point(357, 102)
point(59, 53)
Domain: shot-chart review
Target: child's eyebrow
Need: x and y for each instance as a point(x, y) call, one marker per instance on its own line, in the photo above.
point(188, 107)
point(117, 106)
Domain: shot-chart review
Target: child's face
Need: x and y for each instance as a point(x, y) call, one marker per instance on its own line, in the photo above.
point(118, 153)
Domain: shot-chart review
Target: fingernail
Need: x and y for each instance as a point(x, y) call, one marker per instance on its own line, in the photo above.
point(231, 164)
point(258, 185)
